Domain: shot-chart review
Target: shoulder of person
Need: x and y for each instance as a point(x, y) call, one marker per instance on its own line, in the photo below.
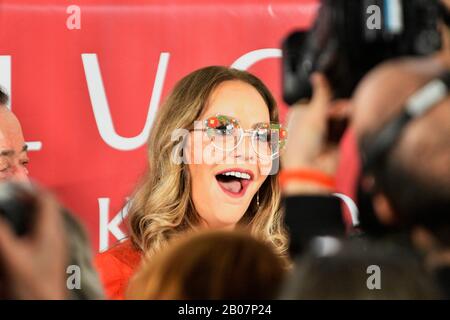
point(116, 266)
point(124, 252)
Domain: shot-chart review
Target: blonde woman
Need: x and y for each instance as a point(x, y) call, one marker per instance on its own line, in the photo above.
point(212, 157)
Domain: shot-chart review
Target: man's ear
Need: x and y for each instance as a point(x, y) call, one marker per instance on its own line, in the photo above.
point(383, 210)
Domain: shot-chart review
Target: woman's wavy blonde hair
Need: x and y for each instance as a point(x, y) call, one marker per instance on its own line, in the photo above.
point(162, 206)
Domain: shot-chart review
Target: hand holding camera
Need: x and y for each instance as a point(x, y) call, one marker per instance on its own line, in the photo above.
point(322, 67)
point(309, 148)
point(32, 244)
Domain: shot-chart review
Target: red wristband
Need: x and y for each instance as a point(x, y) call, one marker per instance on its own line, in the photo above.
point(310, 175)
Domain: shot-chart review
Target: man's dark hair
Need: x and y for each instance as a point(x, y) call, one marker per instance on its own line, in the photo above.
point(417, 199)
point(3, 97)
point(346, 270)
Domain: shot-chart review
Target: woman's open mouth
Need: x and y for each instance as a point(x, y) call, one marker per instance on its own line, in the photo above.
point(234, 182)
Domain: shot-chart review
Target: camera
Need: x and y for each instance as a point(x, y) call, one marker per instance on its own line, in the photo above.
point(18, 205)
point(350, 37)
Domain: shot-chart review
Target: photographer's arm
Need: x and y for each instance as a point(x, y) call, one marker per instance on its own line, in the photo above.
point(309, 165)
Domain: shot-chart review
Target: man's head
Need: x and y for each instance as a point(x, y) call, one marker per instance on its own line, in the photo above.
point(412, 182)
point(13, 150)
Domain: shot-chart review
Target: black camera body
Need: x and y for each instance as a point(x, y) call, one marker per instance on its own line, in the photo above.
point(350, 37)
point(18, 205)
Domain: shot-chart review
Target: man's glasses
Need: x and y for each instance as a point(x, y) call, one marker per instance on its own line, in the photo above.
point(226, 134)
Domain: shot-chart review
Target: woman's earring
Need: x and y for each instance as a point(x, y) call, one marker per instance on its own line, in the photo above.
point(257, 199)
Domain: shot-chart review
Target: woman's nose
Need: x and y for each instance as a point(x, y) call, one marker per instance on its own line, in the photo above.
point(244, 150)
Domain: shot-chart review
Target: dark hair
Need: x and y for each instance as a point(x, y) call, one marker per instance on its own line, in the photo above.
point(346, 274)
point(416, 200)
point(3, 97)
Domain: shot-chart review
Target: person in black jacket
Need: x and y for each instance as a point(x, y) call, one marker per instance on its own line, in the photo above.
point(308, 167)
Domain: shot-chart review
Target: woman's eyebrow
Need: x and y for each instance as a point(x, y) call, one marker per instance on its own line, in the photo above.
point(220, 115)
point(233, 117)
point(258, 122)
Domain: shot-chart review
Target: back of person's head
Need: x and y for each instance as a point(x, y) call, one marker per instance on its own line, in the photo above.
point(210, 265)
point(3, 97)
point(358, 270)
point(412, 178)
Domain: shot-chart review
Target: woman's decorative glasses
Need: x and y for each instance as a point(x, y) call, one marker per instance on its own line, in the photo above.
point(226, 134)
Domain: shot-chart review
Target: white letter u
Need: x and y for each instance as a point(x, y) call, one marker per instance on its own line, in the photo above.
point(101, 110)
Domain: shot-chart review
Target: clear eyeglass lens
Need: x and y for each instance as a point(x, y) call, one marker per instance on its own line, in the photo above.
point(225, 134)
point(266, 146)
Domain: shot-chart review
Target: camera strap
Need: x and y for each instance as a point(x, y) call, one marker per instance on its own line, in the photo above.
point(418, 104)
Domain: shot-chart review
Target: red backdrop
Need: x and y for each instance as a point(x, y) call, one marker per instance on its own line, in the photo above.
point(83, 80)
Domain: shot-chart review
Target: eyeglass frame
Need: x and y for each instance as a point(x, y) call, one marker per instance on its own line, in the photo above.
point(244, 133)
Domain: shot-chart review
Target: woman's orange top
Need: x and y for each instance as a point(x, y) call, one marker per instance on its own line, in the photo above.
point(116, 266)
